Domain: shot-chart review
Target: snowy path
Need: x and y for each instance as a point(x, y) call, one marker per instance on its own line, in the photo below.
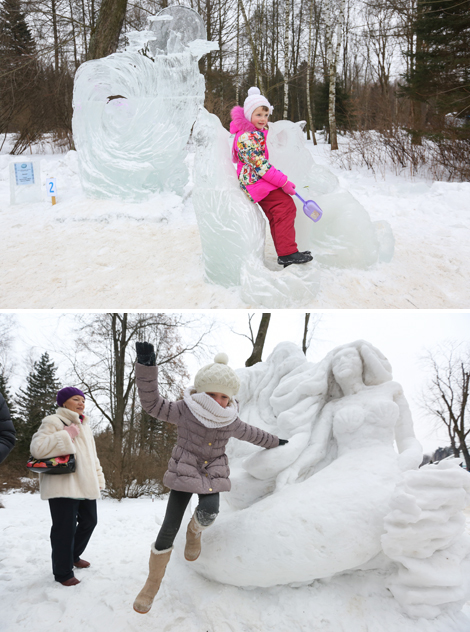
point(119, 551)
point(92, 254)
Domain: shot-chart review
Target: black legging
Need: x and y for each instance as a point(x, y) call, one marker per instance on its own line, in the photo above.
point(206, 513)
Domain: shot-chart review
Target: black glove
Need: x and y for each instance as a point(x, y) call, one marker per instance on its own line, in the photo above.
point(145, 353)
point(283, 441)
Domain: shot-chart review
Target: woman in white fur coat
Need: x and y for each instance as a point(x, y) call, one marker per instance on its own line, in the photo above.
point(72, 497)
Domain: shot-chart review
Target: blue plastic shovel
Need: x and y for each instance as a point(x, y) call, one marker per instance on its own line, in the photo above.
point(311, 209)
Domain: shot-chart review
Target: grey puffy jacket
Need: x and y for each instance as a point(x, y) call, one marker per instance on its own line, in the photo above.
point(198, 463)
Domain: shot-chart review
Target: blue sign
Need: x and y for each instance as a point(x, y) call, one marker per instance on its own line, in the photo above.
point(24, 173)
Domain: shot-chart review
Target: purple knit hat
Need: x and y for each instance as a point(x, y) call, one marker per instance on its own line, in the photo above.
point(66, 393)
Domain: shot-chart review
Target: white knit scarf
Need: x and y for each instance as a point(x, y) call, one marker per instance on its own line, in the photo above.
point(208, 411)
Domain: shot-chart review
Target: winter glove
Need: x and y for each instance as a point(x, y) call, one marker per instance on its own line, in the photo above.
point(145, 353)
point(283, 441)
point(73, 431)
point(289, 188)
point(275, 177)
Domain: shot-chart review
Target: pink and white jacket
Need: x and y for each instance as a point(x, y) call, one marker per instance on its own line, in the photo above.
point(256, 175)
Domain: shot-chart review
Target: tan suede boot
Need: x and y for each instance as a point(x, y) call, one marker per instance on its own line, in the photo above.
point(157, 565)
point(192, 549)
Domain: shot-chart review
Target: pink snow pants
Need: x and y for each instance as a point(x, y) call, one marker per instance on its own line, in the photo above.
point(280, 210)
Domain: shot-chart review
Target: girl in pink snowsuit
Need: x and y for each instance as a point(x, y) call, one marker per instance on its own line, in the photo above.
point(262, 183)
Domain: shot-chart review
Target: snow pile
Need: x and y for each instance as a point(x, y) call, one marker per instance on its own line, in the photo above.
point(425, 535)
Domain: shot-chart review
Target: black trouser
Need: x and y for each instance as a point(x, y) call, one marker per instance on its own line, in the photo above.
point(73, 521)
point(206, 513)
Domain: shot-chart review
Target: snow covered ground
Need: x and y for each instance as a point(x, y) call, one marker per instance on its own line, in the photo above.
point(92, 254)
point(118, 552)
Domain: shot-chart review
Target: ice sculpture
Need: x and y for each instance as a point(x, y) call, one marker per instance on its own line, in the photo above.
point(425, 536)
point(345, 237)
point(233, 229)
point(133, 115)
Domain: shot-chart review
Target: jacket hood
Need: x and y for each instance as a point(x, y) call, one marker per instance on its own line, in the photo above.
point(239, 122)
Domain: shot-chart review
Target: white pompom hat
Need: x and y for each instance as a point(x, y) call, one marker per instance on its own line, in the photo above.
point(253, 101)
point(217, 377)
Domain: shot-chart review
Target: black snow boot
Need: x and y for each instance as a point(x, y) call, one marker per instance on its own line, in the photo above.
point(295, 257)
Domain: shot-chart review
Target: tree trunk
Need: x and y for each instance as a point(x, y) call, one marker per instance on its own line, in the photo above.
point(310, 117)
point(286, 59)
point(259, 79)
point(105, 38)
point(304, 341)
point(259, 342)
point(56, 36)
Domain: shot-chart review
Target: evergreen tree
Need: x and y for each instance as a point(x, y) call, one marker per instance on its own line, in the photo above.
point(441, 72)
point(36, 401)
point(16, 40)
point(20, 77)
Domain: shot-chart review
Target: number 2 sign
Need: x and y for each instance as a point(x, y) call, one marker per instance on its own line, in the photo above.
point(51, 189)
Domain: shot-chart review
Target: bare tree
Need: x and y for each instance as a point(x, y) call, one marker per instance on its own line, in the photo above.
point(8, 324)
point(258, 340)
point(447, 393)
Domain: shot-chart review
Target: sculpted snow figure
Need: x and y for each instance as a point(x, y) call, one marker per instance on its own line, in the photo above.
point(319, 508)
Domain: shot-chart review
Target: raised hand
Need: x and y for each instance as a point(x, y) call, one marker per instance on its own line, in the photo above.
point(145, 353)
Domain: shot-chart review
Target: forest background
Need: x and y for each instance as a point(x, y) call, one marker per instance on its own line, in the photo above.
point(429, 354)
point(394, 74)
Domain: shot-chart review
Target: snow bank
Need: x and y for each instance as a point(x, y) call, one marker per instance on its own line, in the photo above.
point(118, 552)
point(91, 254)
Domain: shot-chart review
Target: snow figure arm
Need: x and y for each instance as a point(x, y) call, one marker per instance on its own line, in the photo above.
point(152, 402)
point(410, 449)
point(51, 439)
point(254, 435)
point(251, 153)
point(312, 455)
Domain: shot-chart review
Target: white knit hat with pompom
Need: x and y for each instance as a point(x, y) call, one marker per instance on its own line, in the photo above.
point(253, 101)
point(217, 377)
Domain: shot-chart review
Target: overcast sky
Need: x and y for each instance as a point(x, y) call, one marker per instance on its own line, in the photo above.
point(402, 335)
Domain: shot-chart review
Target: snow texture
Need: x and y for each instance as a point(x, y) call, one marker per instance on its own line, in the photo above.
point(119, 550)
point(149, 253)
point(425, 536)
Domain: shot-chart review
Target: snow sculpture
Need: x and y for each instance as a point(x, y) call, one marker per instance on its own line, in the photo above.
point(425, 536)
point(339, 498)
point(133, 115)
point(340, 468)
point(233, 229)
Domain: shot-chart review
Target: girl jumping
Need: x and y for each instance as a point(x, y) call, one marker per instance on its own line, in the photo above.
point(206, 418)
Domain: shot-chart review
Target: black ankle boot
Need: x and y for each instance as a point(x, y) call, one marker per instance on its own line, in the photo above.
point(295, 257)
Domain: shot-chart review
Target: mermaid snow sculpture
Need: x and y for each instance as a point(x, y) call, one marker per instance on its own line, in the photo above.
point(321, 507)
